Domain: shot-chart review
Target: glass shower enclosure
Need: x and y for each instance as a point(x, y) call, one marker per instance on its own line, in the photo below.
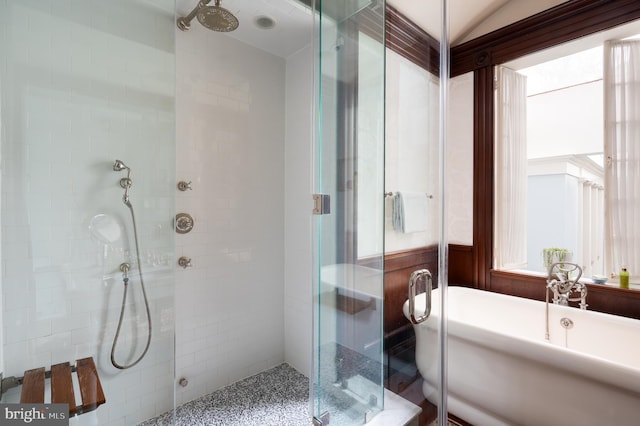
point(88, 149)
point(347, 384)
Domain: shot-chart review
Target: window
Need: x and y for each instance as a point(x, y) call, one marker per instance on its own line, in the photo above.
point(565, 167)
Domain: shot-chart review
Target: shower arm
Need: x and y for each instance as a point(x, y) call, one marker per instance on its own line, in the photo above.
point(184, 23)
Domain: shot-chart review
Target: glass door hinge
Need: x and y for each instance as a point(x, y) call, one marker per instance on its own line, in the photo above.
point(323, 420)
point(321, 204)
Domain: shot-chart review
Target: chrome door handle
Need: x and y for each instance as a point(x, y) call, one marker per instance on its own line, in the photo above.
point(428, 280)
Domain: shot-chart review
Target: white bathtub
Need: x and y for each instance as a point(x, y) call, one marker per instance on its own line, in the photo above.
point(501, 370)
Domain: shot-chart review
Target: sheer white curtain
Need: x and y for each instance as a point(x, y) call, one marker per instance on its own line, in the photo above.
point(622, 151)
point(510, 238)
point(592, 217)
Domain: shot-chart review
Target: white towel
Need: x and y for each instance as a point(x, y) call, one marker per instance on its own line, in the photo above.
point(410, 212)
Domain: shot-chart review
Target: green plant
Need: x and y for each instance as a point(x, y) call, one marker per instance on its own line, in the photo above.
point(553, 255)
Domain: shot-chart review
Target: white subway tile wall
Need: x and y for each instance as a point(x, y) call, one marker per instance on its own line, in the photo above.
point(81, 84)
point(298, 207)
point(230, 145)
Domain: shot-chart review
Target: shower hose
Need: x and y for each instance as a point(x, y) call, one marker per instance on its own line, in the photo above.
point(125, 280)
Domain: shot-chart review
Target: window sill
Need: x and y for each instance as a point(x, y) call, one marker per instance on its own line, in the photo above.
point(611, 283)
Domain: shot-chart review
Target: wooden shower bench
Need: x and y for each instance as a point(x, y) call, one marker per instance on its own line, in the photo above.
point(33, 385)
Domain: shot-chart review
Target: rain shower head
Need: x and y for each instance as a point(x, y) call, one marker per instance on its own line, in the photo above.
point(215, 18)
point(119, 166)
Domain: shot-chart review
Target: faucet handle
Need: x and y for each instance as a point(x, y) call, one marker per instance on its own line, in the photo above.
point(563, 271)
point(185, 262)
point(183, 186)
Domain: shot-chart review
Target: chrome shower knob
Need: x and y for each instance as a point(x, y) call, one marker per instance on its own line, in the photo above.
point(184, 223)
point(185, 262)
point(183, 186)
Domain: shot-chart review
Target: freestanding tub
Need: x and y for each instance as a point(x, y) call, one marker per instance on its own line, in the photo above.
point(501, 370)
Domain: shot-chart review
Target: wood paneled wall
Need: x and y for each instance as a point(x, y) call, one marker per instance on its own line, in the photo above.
point(460, 267)
point(399, 337)
point(398, 267)
point(397, 271)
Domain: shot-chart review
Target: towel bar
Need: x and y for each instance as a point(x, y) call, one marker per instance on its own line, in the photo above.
point(391, 194)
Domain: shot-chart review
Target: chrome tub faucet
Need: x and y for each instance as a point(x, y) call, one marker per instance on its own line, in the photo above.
point(564, 280)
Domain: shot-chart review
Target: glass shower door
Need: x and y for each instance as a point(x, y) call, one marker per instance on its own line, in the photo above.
point(347, 377)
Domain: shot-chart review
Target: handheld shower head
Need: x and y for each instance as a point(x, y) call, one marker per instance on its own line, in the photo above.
point(119, 166)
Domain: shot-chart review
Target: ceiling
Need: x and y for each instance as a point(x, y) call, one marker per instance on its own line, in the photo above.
point(291, 33)
point(467, 19)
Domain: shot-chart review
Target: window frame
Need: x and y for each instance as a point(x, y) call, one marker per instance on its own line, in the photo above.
point(568, 21)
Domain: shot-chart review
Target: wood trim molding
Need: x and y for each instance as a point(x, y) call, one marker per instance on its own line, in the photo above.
point(410, 41)
point(406, 258)
point(565, 22)
point(402, 36)
point(483, 117)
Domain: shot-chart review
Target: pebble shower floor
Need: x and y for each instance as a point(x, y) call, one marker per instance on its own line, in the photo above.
point(275, 397)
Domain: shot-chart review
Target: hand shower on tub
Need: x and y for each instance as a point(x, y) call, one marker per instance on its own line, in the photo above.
point(126, 183)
